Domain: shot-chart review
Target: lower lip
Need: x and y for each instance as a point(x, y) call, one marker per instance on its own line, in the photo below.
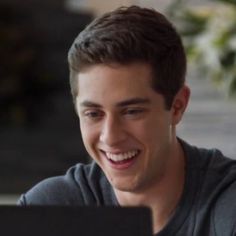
point(121, 165)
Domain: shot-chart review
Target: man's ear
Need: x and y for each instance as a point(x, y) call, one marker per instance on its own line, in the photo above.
point(179, 104)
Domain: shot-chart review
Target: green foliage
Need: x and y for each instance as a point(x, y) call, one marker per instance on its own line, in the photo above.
point(227, 1)
point(209, 36)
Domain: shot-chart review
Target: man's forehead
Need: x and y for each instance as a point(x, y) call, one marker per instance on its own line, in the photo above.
point(130, 68)
point(135, 76)
point(102, 85)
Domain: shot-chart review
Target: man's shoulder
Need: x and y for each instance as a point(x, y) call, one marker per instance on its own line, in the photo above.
point(208, 159)
point(211, 180)
point(213, 171)
point(215, 176)
point(225, 211)
point(81, 185)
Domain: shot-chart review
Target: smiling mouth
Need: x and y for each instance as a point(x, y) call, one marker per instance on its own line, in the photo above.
point(119, 158)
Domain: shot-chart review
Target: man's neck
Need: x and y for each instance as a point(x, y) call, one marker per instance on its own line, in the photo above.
point(163, 197)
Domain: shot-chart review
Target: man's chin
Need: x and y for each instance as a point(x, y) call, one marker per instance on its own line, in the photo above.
point(125, 185)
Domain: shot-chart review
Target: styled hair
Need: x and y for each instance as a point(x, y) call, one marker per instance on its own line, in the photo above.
point(128, 35)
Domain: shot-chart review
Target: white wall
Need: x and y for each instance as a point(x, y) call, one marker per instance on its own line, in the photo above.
point(100, 6)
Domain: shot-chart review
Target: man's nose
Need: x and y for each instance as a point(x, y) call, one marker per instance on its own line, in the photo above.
point(112, 132)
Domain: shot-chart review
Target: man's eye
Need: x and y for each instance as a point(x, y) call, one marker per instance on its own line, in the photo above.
point(133, 112)
point(93, 114)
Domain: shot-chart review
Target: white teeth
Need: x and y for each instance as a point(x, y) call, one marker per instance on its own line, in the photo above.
point(121, 156)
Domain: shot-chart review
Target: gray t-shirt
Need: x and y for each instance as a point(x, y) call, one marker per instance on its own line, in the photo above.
point(207, 206)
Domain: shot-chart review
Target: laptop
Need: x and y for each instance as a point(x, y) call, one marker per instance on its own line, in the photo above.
point(74, 221)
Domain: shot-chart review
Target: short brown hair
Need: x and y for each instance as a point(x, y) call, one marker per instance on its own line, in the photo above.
point(132, 34)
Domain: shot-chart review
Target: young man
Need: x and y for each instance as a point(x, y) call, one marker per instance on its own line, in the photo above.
point(127, 77)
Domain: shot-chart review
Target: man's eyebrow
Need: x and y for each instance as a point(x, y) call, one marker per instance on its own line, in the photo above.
point(90, 104)
point(133, 101)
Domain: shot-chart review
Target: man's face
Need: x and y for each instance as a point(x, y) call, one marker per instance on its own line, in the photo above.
point(124, 124)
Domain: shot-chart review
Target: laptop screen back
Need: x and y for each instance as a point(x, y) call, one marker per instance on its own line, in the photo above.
point(76, 221)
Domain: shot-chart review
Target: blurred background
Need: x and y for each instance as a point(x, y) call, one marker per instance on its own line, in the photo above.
point(39, 131)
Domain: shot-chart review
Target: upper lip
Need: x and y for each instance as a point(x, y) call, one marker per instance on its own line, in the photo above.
point(118, 151)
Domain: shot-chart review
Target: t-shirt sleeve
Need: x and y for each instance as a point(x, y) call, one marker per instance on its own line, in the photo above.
point(225, 212)
point(53, 191)
point(69, 189)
